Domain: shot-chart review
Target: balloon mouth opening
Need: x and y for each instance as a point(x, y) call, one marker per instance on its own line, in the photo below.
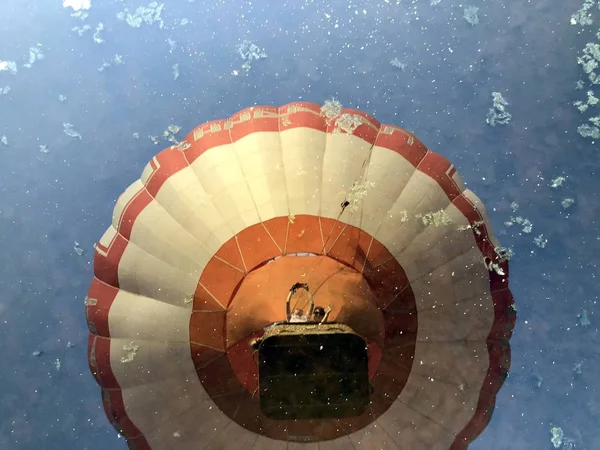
point(353, 273)
point(298, 254)
point(260, 299)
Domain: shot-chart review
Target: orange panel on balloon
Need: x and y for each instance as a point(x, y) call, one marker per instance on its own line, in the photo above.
point(403, 302)
point(207, 328)
point(400, 327)
point(244, 362)
point(350, 247)
point(277, 229)
point(204, 301)
point(256, 246)
point(221, 280)
point(331, 230)
point(202, 355)
point(230, 252)
point(376, 256)
point(389, 381)
point(228, 399)
point(304, 235)
point(387, 281)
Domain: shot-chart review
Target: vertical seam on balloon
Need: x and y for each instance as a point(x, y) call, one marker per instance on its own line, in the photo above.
point(450, 203)
point(391, 258)
point(225, 326)
point(254, 445)
point(383, 428)
point(244, 271)
point(127, 204)
point(153, 199)
point(287, 194)
point(484, 227)
point(209, 441)
point(481, 219)
point(386, 305)
point(210, 197)
point(137, 243)
point(404, 187)
point(321, 233)
point(318, 432)
point(200, 344)
point(367, 256)
point(267, 230)
point(211, 294)
point(237, 157)
point(326, 134)
point(337, 238)
point(287, 233)
point(237, 244)
point(212, 360)
point(365, 172)
point(350, 440)
point(425, 227)
point(255, 440)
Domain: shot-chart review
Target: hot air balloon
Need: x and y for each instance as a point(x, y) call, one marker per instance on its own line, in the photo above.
point(200, 310)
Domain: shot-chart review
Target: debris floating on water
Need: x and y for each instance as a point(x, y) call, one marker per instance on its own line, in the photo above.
point(69, 130)
point(78, 249)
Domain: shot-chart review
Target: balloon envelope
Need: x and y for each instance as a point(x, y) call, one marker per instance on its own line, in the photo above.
point(204, 247)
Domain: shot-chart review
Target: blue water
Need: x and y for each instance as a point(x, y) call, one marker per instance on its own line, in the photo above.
point(315, 50)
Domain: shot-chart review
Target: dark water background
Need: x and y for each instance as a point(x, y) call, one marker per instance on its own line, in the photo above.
point(526, 50)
